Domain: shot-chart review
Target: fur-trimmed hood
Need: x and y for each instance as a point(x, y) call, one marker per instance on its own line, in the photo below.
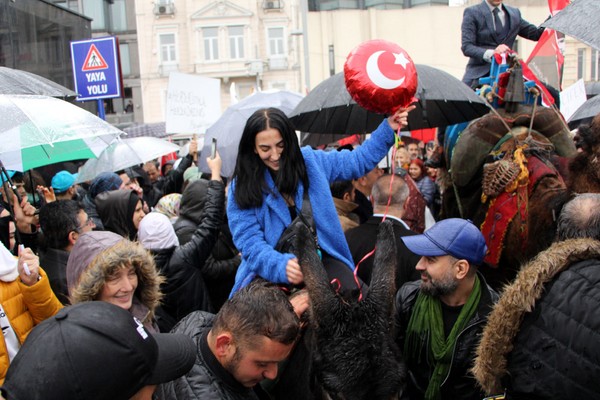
point(519, 298)
point(97, 255)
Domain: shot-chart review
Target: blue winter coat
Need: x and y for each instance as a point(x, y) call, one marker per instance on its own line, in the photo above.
point(256, 230)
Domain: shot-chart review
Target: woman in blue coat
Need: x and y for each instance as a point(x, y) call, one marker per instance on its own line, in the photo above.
point(270, 178)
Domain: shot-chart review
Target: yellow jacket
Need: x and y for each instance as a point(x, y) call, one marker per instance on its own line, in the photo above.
point(25, 306)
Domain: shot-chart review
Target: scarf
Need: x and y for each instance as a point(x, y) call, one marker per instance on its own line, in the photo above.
point(426, 319)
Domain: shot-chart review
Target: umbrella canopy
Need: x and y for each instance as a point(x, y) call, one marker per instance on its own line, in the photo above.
point(15, 81)
point(443, 100)
point(125, 153)
point(41, 130)
point(155, 129)
point(578, 19)
point(228, 128)
point(585, 113)
point(592, 89)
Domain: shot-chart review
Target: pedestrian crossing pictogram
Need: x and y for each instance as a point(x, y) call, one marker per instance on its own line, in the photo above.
point(93, 60)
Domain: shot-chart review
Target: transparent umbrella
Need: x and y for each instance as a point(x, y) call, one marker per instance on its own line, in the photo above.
point(16, 81)
point(125, 153)
point(41, 130)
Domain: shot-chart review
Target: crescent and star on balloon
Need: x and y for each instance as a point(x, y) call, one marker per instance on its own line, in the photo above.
point(377, 77)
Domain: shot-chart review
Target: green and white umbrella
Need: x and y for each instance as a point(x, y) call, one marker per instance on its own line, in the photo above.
point(40, 130)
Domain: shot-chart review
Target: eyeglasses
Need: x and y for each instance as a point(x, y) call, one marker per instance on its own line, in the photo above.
point(88, 222)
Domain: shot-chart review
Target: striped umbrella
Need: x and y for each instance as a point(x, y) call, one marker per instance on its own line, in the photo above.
point(40, 130)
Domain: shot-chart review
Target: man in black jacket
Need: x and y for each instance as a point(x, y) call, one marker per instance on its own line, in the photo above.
point(389, 202)
point(61, 222)
point(542, 339)
point(440, 318)
point(237, 348)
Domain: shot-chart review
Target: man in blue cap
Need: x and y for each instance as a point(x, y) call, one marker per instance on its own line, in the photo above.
point(441, 316)
point(63, 184)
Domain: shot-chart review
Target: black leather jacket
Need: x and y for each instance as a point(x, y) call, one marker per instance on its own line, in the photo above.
point(459, 383)
point(206, 380)
point(184, 266)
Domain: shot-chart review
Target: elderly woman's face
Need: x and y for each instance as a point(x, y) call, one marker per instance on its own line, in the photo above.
point(268, 144)
point(120, 287)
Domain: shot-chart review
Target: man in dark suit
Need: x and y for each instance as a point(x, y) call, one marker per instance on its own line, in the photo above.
point(361, 239)
point(489, 28)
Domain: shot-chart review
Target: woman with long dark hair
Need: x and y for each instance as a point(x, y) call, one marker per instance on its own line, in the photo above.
point(272, 175)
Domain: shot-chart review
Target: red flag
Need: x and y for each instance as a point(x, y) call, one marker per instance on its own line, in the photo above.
point(546, 59)
point(424, 135)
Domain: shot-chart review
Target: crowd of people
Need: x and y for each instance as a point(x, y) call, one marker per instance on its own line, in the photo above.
point(159, 282)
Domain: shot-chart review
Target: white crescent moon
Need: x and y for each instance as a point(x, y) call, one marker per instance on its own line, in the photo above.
point(377, 77)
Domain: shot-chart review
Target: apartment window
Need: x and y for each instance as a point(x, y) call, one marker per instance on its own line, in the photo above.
point(275, 41)
point(594, 66)
point(125, 60)
point(168, 48)
point(236, 42)
point(118, 16)
point(581, 64)
point(96, 10)
point(211, 43)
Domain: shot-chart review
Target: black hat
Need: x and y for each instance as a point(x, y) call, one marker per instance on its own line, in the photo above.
point(95, 350)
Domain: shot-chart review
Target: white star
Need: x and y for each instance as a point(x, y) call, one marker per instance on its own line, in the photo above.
point(401, 59)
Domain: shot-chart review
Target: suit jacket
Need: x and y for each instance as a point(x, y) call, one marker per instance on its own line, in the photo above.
point(479, 35)
point(361, 241)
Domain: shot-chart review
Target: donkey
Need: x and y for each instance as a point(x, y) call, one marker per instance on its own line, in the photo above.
point(354, 355)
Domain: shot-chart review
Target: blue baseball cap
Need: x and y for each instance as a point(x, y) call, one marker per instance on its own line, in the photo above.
point(453, 236)
point(62, 181)
point(10, 173)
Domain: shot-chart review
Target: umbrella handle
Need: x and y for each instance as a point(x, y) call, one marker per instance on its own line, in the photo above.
point(10, 183)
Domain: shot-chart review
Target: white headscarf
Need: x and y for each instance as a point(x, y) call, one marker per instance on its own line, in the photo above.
point(156, 232)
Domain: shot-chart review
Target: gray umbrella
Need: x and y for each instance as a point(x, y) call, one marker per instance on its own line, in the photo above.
point(592, 89)
point(153, 129)
point(15, 81)
point(229, 127)
point(585, 113)
point(579, 19)
point(443, 100)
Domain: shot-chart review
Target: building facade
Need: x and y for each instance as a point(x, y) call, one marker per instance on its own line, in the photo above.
point(276, 44)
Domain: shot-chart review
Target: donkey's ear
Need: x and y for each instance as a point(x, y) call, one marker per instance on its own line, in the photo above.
point(384, 266)
point(308, 258)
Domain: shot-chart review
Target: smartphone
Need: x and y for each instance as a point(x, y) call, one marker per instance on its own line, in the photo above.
point(213, 149)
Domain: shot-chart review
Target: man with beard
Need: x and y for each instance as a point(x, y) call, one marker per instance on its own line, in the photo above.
point(239, 347)
point(441, 316)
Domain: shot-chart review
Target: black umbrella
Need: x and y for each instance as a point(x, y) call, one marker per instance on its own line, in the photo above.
point(15, 81)
point(579, 19)
point(585, 112)
point(443, 100)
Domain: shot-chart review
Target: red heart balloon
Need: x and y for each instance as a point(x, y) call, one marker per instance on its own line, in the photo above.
point(380, 76)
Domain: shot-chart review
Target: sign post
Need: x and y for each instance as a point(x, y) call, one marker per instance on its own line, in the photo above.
point(96, 70)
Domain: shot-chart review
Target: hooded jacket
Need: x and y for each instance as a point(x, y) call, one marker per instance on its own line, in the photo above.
point(183, 266)
point(98, 253)
point(25, 306)
point(116, 211)
point(458, 384)
point(542, 340)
